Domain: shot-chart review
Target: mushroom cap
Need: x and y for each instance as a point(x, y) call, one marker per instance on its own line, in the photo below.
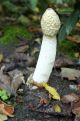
point(50, 23)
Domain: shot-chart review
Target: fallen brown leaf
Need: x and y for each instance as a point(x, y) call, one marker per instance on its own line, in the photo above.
point(1, 57)
point(35, 17)
point(33, 29)
point(22, 49)
point(17, 80)
point(43, 101)
point(5, 80)
point(6, 109)
point(74, 38)
point(62, 61)
point(11, 81)
point(70, 74)
point(70, 98)
point(78, 24)
point(77, 55)
point(76, 108)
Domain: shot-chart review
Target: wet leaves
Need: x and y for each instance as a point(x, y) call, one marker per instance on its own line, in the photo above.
point(11, 81)
point(1, 57)
point(22, 62)
point(22, 49)
point(62, 61)
point(76, 108)
point(57, 108)
point(6, 109)
point(3, 117)
point(52, 91)
point(74, 38)
point(70, 98)
point(70, 74)
point(43, 101)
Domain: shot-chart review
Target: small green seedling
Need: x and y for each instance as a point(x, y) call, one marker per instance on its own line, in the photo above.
point(4, 95)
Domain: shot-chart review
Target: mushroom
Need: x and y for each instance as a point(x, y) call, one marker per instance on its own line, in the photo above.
point(50, 24)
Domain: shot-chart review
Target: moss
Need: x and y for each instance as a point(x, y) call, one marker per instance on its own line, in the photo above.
point(68, 48)
point(11, 32)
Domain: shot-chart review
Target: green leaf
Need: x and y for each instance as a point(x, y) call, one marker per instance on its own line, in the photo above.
point(10, 6)
point(33, 4)
point(4, 97)
point(69, 25)
point(23, 20)
point(56, 1)
point(61, 1)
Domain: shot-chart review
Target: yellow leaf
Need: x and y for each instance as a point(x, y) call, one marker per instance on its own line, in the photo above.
point(52, 91)
point(1, 57)
point(1, 120)
point(3, 117)
point(57, 108)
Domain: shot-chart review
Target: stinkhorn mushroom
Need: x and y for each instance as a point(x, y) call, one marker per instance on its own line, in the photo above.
point(50, 24)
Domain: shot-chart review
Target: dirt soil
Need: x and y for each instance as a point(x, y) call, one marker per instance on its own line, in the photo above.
point(28, 106)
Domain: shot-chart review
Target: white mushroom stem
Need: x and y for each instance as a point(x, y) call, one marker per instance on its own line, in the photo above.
point(50, 24)
point(46, 59)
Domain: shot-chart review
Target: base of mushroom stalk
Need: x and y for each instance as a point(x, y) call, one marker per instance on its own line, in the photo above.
point(30, 82)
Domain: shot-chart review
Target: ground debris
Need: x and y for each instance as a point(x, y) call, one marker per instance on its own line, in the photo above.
point(11, 81)
point(70, 74)
point(62, 62)
point(6, 109)
point(70, 98)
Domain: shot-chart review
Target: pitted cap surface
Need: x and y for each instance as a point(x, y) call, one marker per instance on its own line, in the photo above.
point(50, 23)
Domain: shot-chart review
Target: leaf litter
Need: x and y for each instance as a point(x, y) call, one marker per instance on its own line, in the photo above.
point(16, 69)
point(70, 74)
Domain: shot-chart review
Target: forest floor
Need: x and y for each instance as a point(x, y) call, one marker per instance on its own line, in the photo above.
point(36, 105)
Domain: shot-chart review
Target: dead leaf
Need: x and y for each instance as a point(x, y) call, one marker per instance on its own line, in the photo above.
point(57, 108)
point(74, 38)
point(17, 80)
point(76, 108)
point(6, 109)
point(43, 101)
point(78, 24)
point(77, 55)
point(1, 8)
point(22, 49)
point(70, 98)
point(12, 81)
point(30, 61)
point(3, 117)
point(35, 50)
point(35, 17)
point(70, 74)
point(52, 91)
point(1, 57)
point(33, 29)
point(5, 80)
point(62, 61)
